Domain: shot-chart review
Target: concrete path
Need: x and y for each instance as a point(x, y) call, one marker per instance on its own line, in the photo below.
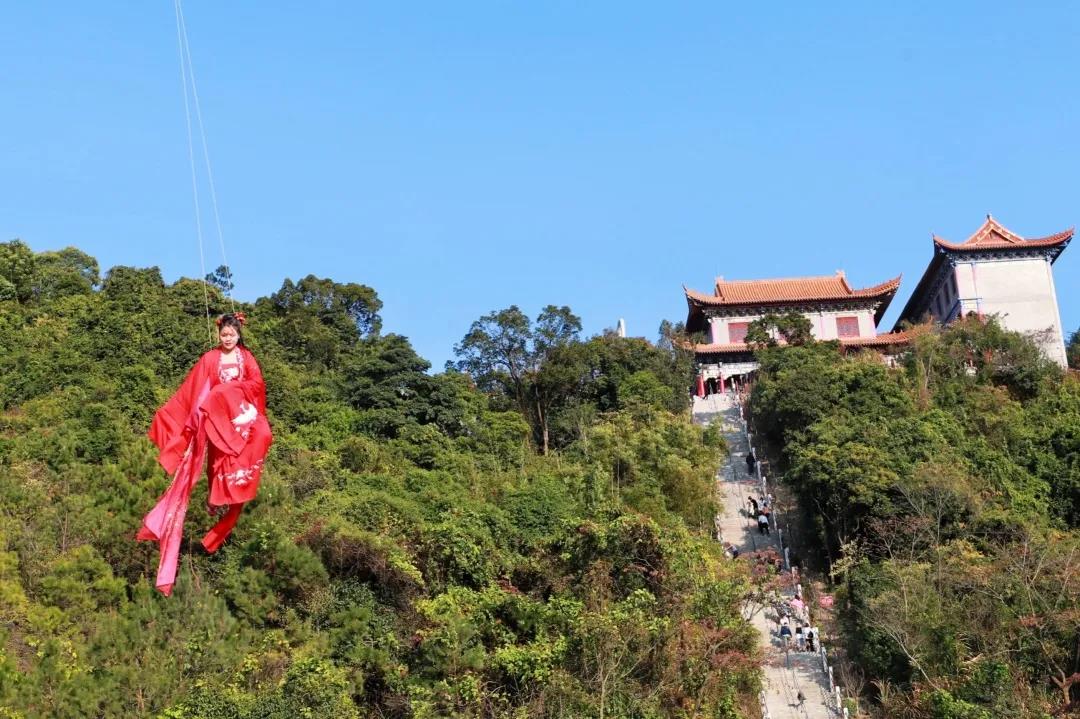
point(786, 673)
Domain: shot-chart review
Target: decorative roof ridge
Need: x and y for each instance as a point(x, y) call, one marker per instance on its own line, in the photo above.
point(844, 282)
point(990, 225)
point(838, 275)
point(982, 238)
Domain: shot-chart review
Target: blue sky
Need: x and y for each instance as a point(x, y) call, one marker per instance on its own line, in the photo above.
point(462, 157)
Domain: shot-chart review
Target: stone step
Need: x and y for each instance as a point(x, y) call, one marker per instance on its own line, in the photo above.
point(786, 674)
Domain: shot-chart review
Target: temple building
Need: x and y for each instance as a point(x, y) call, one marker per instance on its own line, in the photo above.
point(994, 272)
point(836, 311)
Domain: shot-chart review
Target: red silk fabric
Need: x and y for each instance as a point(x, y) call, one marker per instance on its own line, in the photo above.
point(222, 408)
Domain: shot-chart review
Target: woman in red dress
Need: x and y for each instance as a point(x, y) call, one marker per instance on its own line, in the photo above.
point(221, 405)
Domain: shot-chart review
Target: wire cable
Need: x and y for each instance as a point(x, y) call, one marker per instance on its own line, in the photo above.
point(180, 39)
point(206, 154)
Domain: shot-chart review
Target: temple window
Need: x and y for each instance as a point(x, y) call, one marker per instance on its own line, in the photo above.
point(737, 331)
point(847, 326)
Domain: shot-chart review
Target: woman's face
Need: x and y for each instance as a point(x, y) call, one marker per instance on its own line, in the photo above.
point(228, 337)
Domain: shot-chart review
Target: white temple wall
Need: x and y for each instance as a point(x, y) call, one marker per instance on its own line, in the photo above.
point(1021, 293)
point(825, 328)
point(867, 325)
point(964, 274)
point(822, 324)
point(720, 327)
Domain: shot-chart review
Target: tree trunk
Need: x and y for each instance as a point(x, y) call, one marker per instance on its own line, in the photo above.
point(542, 419)
point(1065, 684)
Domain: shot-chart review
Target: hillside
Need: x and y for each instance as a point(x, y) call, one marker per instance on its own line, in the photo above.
point(413, 552)
point(523, 534)
point(945, 496)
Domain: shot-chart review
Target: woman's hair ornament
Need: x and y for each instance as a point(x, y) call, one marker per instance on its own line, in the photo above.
point(240, 317)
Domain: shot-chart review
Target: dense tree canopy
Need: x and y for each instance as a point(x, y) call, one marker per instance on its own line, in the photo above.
point(411, 554)
point(504, 352)
point(560, 383)
point(945, 492)
point(793, 328)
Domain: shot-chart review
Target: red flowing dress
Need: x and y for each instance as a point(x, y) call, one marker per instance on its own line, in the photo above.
point(221, 407)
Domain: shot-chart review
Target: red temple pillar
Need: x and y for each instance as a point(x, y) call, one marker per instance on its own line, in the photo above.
point(720, 388)
point(700, 386)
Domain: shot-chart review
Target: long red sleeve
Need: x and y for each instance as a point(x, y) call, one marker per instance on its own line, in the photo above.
point(229, 418)
point(172, 427)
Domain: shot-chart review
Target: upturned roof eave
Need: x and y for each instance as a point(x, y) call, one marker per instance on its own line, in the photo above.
point(883, 291)
point(918, 303)
point(1058, 240)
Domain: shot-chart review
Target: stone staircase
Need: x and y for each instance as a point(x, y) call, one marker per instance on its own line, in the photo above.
point(787, 673)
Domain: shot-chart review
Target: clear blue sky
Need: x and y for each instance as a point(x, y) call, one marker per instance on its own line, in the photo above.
point(462, 157)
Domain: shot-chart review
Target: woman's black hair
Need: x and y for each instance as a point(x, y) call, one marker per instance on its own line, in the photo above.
point(230, 320)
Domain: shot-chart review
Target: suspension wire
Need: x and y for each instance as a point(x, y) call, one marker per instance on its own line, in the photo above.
point(194, 176)
point(206, 155)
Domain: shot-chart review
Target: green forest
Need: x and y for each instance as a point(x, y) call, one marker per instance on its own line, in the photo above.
point(945, 497)
point(524, 534)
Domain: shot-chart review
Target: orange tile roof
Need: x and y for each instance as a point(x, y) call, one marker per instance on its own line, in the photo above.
point(884, 339)
point(781, 291)
point(992, 235)
point(722, 348)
